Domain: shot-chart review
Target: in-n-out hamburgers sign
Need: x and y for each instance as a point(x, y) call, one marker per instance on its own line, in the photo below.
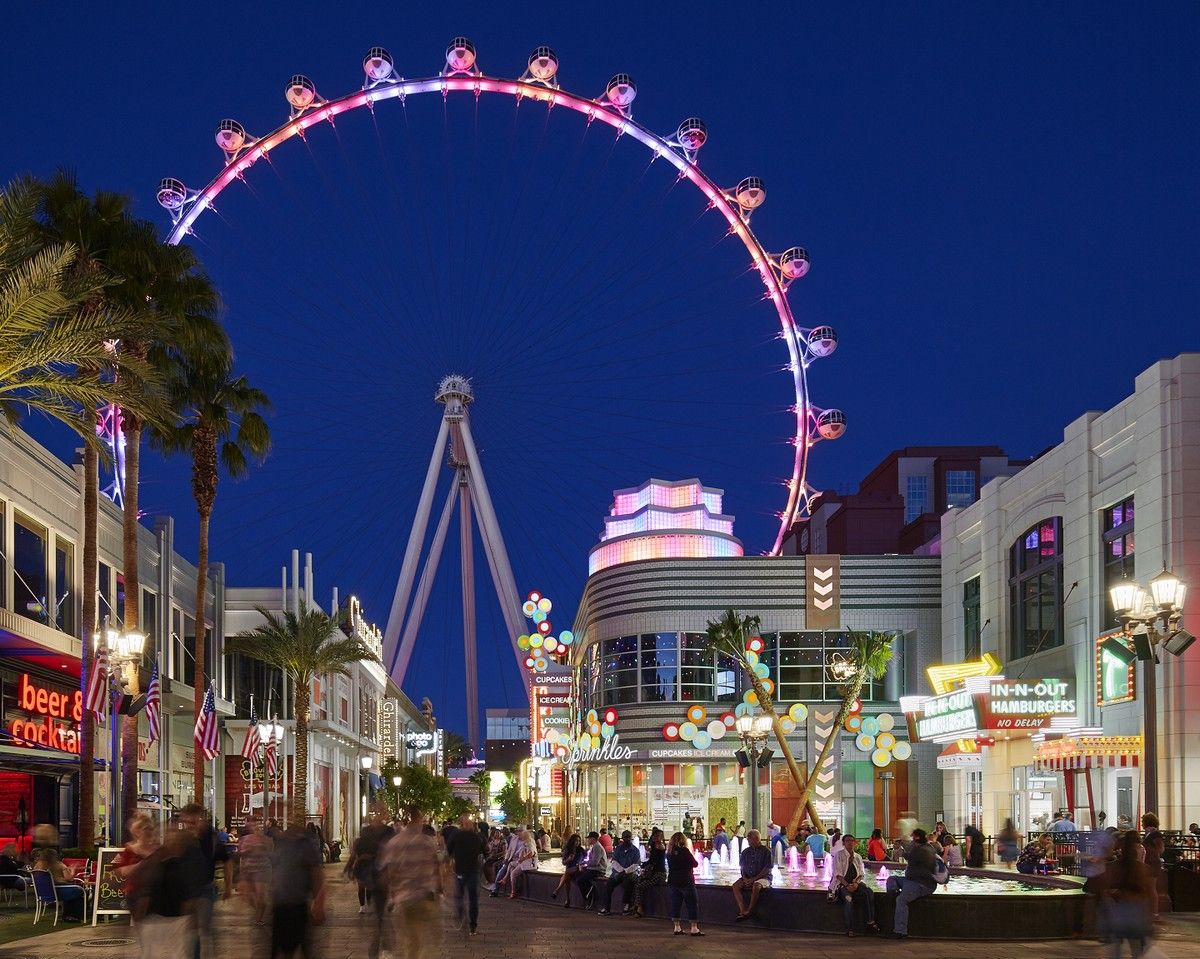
point(992, 703)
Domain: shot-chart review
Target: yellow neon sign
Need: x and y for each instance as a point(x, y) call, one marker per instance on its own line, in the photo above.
point(945, 678)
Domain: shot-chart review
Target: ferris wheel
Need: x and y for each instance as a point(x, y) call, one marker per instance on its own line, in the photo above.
point(461, 74)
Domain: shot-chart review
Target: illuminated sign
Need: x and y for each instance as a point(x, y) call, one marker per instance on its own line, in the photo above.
point(990, 703)
point(947, 677)
point(610, 750)
point(423, 744)
point(59, 713)
point(1115, 680)
point(942, 715)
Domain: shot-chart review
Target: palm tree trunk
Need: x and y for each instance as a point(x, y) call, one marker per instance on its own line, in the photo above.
point(799, 776)
point(201, 686)
point(87, 722)
point(298, 810)
point(851, 694)
point(132, 613)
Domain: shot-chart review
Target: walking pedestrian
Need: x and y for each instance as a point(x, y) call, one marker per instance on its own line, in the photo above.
point(972, 846)
point(254, 868)
point(654, 872)
point(297, 892)
point(1130, 900)
point(414, 881)
point(169, 884)
point(213, 851)
point(572, 860)
point(466, 855)
point(918, 880)
point(681, 880)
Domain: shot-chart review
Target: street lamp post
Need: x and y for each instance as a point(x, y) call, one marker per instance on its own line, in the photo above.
point(124, 651)
point(1149, 620)
point(367, 762)
point(754, 731)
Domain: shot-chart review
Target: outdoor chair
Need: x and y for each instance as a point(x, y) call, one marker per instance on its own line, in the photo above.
point(13, 881)
point(45, 896)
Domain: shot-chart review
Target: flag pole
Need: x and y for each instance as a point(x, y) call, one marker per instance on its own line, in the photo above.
point(252, 758)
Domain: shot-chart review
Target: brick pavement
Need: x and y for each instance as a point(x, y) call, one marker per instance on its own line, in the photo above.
point(526, 930)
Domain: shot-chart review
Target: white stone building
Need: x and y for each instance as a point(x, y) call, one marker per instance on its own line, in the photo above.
point(1025, 576)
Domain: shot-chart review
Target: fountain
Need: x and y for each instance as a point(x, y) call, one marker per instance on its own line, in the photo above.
point(793, 857)
point(725, 855)
point(706, 871)
point(810, 867)
point(778, 853)
point(828, 866)
point(882, 875)
point(714, 860)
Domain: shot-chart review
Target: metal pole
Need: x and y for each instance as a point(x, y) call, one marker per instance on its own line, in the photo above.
point(753, 783)
point(405, 649)
point(412, 552)
point(886, 779)
point(1150, 736)
point(114, 765)
point(470, 666)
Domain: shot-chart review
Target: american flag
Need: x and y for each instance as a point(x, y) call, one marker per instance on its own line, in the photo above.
point(154, 705)
point(97, 687)
point(272, 761)
point(205, 733)
point(250, 746)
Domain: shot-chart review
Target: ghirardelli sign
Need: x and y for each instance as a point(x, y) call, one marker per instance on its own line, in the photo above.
point(610, 750)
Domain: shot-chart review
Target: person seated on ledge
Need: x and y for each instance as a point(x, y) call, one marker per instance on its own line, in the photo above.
point(848, 885)
point(1033, 854)
point(918, 880)
point(816, 844)
point(756, 874)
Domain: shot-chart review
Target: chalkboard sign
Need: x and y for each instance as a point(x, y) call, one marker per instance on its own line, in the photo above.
point(109, 898)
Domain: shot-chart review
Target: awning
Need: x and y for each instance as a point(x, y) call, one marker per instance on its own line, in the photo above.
point(1088, 752)
point(961, 754)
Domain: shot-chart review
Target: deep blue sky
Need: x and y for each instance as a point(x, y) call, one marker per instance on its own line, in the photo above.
point(1000, 202)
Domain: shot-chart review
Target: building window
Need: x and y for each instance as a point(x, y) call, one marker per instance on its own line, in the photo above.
point(916, 497)
point(64, 585)
point(697, 669)
point(960, 488)
point(660, 667)
point(148, 625)
point(619, 670)
point(971, 627)
point(29, 568)
point(1035, 589)
point(1116, 528)
point(189, 650)
point(3, 561)
point(800, 663)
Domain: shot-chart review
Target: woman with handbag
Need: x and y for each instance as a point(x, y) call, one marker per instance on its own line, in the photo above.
point(654, 873)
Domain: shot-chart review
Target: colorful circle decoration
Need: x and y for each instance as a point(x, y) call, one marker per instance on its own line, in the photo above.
point(752, 659)
point(544, 627)
point(762, 670)
point(742, 709)
point(750, 698)
point(768, 686)
point(536, 641)
point(610, 716)
point(856, 706)
point(550, 644)
point(729, 719)
point(876, 738)
point(787, 725)
point(592, 716)
point(716, 729)
point(529, 607)
point(687, 731)
point(853, 724)
point(544, 604)
point(566, 637)
point(798, 712)
point(702, 740)
point(522, 642)
point(755, 644)
point(671, 732)
point(541, 638)
point(696, 713)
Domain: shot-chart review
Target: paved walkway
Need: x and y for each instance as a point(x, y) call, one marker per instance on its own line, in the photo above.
point(525, 930)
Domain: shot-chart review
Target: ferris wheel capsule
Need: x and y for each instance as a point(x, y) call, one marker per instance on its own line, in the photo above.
point(460, 55)
point(231, 136)
point(543, 64)
point(621, 91)
point(831, 424)
point(172, 194)
point(300, 92)
point(692, 134)
point(794, 263)
point(822, 341)
point(378, 64)
point(750, 193)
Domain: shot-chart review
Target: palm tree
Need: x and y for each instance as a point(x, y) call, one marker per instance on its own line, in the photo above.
point(870, 654)
point(221, 426)
point(168, 281)
point(455, 749)
point(68, 215)
point(302, 645)
point(482, 782)
point(728, 636)
point(55, 327)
